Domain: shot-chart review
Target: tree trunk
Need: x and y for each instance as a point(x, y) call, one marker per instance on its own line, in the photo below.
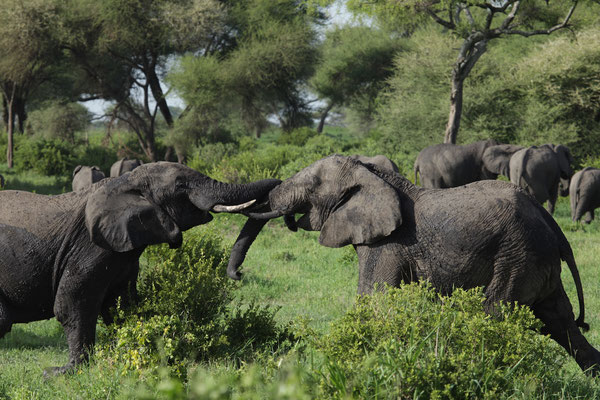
point(19, 111)
point(456, 102)
point(471, 50)
point(324, 117)
point(10, 128)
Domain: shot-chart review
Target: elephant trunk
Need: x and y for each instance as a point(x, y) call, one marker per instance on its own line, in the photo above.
point(249, 232)
point(217, 196)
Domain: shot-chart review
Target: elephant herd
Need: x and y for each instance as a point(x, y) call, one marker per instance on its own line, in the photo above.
point(71, 256)
point(543, 171)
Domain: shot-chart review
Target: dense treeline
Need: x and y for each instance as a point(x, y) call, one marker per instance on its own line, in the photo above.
point(241, 66)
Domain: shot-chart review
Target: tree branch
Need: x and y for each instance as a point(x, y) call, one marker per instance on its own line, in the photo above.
point(439, 20)
point(510, 31)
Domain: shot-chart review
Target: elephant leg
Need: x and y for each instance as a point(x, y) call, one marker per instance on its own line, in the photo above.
point(557, 315)
point(589, 217)
point(552, 196)
point(6, 320)
point(125, 289)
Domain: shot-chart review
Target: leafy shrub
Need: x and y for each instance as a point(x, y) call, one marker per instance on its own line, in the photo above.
point(97, 155)
point(59, 121)
point(410, 341)
point(186, 312)
point(297, 137)
point(46, 157)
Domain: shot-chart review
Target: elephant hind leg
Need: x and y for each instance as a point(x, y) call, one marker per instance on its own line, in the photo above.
point(6, 320)
point(557, 315)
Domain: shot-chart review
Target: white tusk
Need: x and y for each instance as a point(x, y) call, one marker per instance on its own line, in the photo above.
point(236, 208)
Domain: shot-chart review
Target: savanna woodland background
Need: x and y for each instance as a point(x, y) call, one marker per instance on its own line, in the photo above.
point(247, 89)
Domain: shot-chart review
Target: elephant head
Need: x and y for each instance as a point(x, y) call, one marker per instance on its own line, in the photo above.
point(496, 158)
point(157, 201)
point(254, 225)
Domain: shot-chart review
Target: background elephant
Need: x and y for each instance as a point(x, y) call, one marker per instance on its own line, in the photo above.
point(450, 165)
point(489, 234)
point(497, 158)
point(541, 170)
point(585, 194)
point(84, 177)
point(70, 256)
point(124, 165)
point(252, 227)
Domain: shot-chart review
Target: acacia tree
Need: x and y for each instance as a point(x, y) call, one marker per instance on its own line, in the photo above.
point(355, 62)
point(27, 50)
point(123, 48)
point(477, 22)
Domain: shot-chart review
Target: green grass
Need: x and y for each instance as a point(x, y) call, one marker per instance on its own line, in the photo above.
point(287, 270)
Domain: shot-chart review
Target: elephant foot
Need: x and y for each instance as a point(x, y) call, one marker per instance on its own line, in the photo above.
point(51, 372)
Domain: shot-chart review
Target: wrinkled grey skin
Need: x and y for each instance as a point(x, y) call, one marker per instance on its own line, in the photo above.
point(84, 177)
point(70, 256)
point(252, 227)
point(497, 158)
point(541, 170)
point(124, 165)
point(489, 233)
point(450, 165)
point(585, 194)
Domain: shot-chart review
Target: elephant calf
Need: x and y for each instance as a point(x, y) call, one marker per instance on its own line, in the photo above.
point(71, 256)
point(489, 233)
point(585, 194)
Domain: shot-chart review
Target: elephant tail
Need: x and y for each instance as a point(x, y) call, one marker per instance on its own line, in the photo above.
point(416, 169)
point(566, 254)
point(580, 321)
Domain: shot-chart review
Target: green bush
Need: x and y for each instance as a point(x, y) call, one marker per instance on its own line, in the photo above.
point(411, 341)
point(186, 313)
point(58, 121)
point(297, 137)
point(46, 157)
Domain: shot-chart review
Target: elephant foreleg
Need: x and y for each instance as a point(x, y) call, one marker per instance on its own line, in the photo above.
point(6, 320)
point(557, 315)
point(589, 217)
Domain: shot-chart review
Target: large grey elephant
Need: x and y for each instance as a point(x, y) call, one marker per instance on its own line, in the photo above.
point(70, 256)
point(541, 171)
point(489, 233)
point(585, 194)
point(450, 165)
point(84, 177)
point(124, 165)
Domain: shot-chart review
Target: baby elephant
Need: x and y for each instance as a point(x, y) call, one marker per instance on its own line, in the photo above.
point(488, 233)
point(84, 177)
point(585, 194)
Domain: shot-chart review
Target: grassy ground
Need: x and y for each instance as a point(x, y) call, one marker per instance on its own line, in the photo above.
point(288, 270)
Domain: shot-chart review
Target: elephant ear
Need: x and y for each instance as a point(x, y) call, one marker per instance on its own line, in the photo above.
point(370, 212)
point(564, 159)
point(76, 170)
point(123, 220)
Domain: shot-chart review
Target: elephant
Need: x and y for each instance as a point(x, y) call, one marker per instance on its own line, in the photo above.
point(541, 171)
point(489, 234)
point(84, 176)
point(585, 194)
point(450, 165)
point(124, 165)
point(70, 256)
point(252, 227)
point(497, 158)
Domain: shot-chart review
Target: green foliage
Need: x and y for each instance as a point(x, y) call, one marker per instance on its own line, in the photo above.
point(412, 341)
point(186, 312)
point(296, 137)
point(46, 157)
point(58, 121)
